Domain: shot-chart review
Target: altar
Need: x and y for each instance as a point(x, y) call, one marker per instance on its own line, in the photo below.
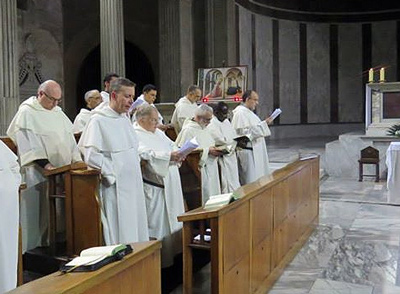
point(382, 110)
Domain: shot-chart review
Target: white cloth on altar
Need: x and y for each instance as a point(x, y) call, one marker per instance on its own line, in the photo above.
point(393, 177)
point(184, 109)
point(160, 118)
point(163, 204)
point(254, 163)
point(39, 133)
point(223, 134)
point(109, 143)
point(10, 179)
point(81, 120)
point(208, 164)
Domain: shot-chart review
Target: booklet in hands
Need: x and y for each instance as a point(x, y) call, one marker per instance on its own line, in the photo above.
point(188, 147)
point(276, 113)
point(94, 258)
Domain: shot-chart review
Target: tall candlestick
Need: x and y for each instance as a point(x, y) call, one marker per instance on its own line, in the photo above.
point(371, 75)
point(382, 75)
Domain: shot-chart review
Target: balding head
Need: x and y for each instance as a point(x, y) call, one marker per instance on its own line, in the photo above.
point(49, 94)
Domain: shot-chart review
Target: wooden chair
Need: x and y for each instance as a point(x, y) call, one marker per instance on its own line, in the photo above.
point(369, 155)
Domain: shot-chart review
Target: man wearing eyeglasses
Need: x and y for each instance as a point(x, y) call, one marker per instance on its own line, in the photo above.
point(253, 158)
point(43, 134)
point(196, 127)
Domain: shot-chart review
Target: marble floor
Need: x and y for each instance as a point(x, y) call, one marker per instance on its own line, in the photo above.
point(355, 247)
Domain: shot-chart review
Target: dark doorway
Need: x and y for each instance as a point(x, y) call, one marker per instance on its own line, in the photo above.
point(138, 69)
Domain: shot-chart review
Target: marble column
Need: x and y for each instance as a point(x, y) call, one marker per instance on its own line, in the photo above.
point(176, 48)
point(112, 48)
point(221, 33)
point(9, 90)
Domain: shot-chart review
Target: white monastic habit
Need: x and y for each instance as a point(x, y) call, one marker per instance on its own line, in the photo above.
point(184, 109)
point(223, 134)
point(160, 118)
point(10, 179)
point(109, 143)
point(39, 133)
point(163, 192)
point(81, 120)
point(105, 96)
point(208, 164)
point(253, 161)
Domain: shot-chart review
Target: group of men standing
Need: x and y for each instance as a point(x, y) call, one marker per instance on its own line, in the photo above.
point(138, 201)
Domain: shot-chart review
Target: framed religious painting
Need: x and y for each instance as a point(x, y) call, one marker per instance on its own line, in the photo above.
point(222, 83)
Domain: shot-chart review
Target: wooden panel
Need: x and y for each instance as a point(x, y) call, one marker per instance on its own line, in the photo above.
point(261, 263)
point(280, 201)
point(280, 244)
point(236, 235)
point(86, 220)
point(10, 144)
point(237, 280)
point(295, 186)
point(261, 216)
point(130, 273)
point(132, 280)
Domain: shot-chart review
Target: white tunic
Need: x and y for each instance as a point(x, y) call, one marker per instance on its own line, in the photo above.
point(81, 120)
point(253, 164)
point(109, 143)
point(160, 118)
point(184, 109)
point(223, 134)
point(208, 164)
point(10, 179)
point(163, 204)
point(39, 133)
point(105, 96)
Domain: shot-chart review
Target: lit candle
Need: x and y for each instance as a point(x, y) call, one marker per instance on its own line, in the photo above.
point(382, 74)
point(371, 75)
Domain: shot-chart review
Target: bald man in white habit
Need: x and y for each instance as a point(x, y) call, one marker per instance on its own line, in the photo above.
point(44, 137)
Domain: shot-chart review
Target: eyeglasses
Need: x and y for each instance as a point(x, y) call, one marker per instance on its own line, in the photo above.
point(52, 99)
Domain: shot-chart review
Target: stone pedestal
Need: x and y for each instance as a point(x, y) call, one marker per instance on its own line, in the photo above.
point(112, 46)
point(9, 92)
point(342, 155)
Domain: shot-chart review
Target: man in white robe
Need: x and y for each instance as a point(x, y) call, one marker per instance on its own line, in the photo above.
point(44, 137)
point(253, 158)
point(223, 133)
point(109, 143)
point(10, 179)
point(185, 107)
point(93, 99)
point(196, 127)
point(162, 183)
point(147, 98)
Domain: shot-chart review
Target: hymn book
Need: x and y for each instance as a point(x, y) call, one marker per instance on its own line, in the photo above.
point(220, 200)
point(188, 147)
point(95, 257)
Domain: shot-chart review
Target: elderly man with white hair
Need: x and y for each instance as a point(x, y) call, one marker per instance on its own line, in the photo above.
point(208, 164)
point(92, 98)
point(162, 183)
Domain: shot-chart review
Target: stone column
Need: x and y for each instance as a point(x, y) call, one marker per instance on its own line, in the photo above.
point(176, 48)
point(9, 90)
point(112, 48)
point(221, 33)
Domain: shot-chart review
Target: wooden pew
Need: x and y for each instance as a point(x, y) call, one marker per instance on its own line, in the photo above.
point(80, 190)
point(138, 272)
point(191, 180)
point(255, 237)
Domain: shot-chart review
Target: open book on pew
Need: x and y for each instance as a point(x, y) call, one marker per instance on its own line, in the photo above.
point(220, 200)
point(95, 257)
